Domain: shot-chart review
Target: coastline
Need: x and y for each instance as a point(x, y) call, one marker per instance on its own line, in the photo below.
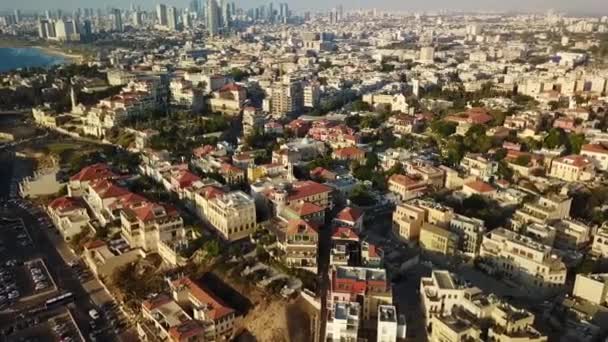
point(68, 57)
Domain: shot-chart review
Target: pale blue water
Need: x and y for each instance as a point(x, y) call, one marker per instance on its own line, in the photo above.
point(15, 58)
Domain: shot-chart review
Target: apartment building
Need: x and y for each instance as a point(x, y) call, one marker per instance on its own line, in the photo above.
point(435, 239)
point(599, 244)
point(391, 326)
point(592, 288)
point(598, 153)
point(571, 234)
point(407, 187)
point(470, 233)
point(145, 225)
point(301, 191)
point(350, 217)
point(478, 166)
point(164, 318)
point(458, 312)
point(298, 239)
point(368, 286)
point(79, 182)
point(69, 215)
point(573, 168)
point(407, 221)
point(221, 320)
point(441, 292)
point(528, 262)
point(232, 215)
point(543, 210)
point(343, 322)
point(230, 99)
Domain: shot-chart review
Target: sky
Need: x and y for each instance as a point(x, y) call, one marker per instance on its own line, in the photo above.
point(592, 7)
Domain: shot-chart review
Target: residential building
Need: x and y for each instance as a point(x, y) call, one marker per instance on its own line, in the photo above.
point(543, 210)
point(573, 168)
point(407, 221)
point(69, 215)
point(164, 318)
point(598, 153)
point(343, 322)
point(470, 233)
point(230, 99)
point(367, 286)
point(103, 259)
point(407, 187)
point(599, 245)
point(232, 215)
point(528, 262)
point(592, 288)
point(298, 239)
point(435, 239)
point(79, 182)
point(350, 217)
point(206, 307)
point(390, 325)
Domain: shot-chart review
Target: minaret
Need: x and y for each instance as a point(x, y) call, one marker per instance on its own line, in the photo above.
point(73, 98)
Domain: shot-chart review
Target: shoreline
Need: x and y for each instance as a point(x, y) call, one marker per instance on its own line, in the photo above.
point(68, 57)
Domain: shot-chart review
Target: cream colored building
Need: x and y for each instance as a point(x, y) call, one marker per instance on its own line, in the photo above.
point(103, 259)
point(232, 215)
point(571, 234)
point(574, 168)
point(438, 240)
point(407, 221)
point(528, 262)
point(599, 245)
point(441, 292)
point(598, 153)
point(544, 210)
point(591, 287)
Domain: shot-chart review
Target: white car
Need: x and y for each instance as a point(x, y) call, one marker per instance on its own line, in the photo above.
point(94, 314)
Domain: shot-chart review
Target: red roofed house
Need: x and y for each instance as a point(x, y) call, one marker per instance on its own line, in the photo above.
point(69, 215)
point(473, 116)
point(349, 154)
point(407, 187)
point(230, 99)
point(299, 241)
point(206, 307)
point(166, 320)
point(302, 191)
point(232, 174)
point(350, 217)
point(344, 242)
point(598, 153)
point(154, 228)
point(477, 187)
point(80, 181)
point(322, 174)
point(573, 168)
point(304, 211)
point(368, 286)
point(371, 255)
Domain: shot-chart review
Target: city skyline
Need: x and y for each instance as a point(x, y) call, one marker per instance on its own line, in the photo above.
point(596, 7)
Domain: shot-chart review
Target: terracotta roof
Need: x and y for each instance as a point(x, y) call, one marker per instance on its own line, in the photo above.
point(349, 152)
point(93, 172)
point(305, 208)
point(158, 301)
point(186, 331)
point(345, 233)
point(107, 189)
point(304, 189)
point(574, 160)
point(231, 87)
point(185, 178)
point(301, 227)
point(479, 186)
point(404, 180)
point(94, 244)
point(218, 308)
point(65, 203)
point(594, 148)
point(349, 214)
point(372, 251)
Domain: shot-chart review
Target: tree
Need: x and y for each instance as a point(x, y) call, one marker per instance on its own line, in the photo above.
point(212, 248)
point(238, 75)
point(443, 128)
point(575, 143)
point(360, 196)
point(454, 150)
point(522, 160)
point(556, 138)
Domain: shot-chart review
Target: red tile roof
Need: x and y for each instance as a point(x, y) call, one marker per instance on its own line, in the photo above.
point(479, 186)
point(575, 160)
point(594, 148)
point(305, 208)
point(186, 331)
point(218, 308)
point(158, 301)
point(93, 172)
point(349, 214)
point(345, 233)
point(305, 189)
point(94, 244)
point(107, 189)
point(349, 153)
point(63, 204)
point(301, 227)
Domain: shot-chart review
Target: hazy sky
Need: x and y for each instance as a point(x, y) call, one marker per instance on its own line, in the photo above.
point(595, 7)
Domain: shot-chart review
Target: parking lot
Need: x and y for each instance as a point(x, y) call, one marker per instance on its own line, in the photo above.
point(58, 327)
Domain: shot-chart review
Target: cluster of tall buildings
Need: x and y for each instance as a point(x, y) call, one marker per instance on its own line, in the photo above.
point(271, 14)
point(64, 30)
point(219, 16)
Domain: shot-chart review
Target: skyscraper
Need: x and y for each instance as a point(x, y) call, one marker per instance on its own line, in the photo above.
point(226, 17)
point(194, 6)
point(187, 20)
point(213, 17)
point(17, 16)
point(137, 19)
point(161, 14)
point(116, 20)
point(172, 18)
